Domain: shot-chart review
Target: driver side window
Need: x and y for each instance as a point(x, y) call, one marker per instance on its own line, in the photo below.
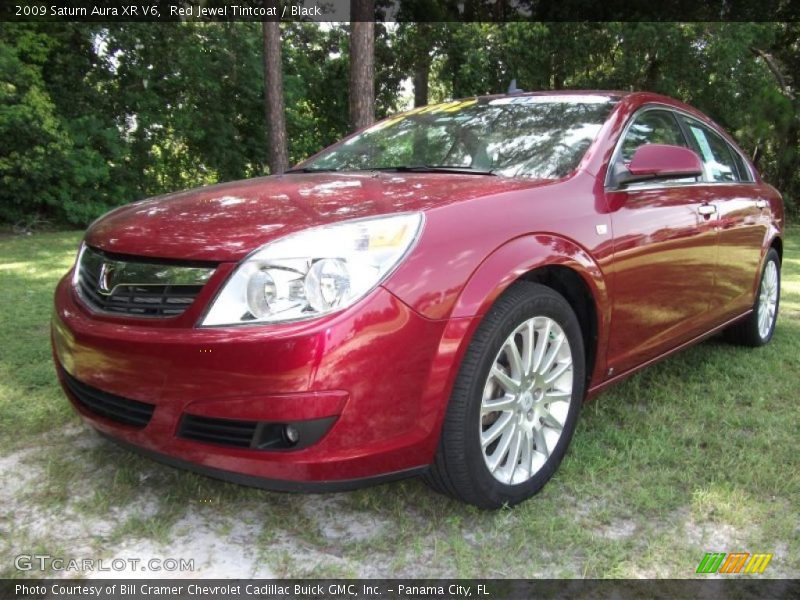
point(651, 127)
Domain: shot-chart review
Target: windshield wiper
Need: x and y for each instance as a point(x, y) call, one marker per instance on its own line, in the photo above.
point(433, 169)
point(310, 170)
point(401, 169)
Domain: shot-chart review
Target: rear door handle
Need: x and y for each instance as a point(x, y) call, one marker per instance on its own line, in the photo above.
point(706, 209)
point(761, 203)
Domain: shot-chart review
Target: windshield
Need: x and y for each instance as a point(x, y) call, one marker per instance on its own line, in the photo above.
point(542, 137)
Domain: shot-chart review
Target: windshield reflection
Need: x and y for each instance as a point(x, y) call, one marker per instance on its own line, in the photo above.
point(541, 137)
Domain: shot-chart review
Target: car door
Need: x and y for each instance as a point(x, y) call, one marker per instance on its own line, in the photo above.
point(741, 219)
point(665, 242)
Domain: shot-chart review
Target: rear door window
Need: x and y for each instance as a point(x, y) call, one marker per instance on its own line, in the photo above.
point(718, 158)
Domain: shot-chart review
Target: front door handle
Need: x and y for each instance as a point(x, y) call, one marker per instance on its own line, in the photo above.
point(706, 209)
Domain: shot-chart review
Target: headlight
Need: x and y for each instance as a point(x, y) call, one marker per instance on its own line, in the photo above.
point(314, 272)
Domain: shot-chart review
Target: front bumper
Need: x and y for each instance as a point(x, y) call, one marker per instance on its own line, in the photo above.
point(379, 372)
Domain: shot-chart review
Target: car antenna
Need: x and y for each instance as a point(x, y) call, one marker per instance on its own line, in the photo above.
point(512, 87)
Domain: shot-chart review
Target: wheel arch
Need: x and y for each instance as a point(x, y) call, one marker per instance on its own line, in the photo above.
point(578, 294)
point(777, 243)
point(556, 262)
point(772, 240)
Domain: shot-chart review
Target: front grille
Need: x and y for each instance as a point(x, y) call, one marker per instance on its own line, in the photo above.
point(226, 432)
point(124, 286)
point(154, 301)
point(116, 408)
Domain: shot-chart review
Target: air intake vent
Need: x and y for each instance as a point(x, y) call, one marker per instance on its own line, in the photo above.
point(226, 432)
point(115, 408)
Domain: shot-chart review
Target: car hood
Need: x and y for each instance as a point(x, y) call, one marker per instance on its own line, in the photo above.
point(225, 222)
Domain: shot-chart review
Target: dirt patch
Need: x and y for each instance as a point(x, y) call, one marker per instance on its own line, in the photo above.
point(215, 544)
point(200, 542)
point(337, 523)
point(618, 529)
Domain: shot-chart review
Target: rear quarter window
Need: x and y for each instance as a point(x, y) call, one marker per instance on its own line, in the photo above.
point(744, 170)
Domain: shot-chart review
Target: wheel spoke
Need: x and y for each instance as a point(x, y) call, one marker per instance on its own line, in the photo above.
point(555, 347)
point(528, 336)
point(497, 428)
point(526, 454)
point(558, 396)
point(541, 444)
point(506, 403)
point(551, 422)
point(496, 458)
point(504, 380)
point(514, 359)
point(541, 346)
point(513, 456)
point(558, 371)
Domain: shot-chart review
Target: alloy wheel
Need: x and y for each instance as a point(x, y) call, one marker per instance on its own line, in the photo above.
point(768, 300)
point(526, 400)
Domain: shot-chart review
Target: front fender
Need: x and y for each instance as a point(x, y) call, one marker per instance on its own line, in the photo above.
point(522, 255)
point(490, 279)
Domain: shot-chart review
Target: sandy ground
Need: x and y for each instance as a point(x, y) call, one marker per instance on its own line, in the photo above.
point(239, 542)
point(221, 545)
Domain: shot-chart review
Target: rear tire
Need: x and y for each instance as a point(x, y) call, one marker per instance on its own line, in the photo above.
point(759, 326)
point(515, 401)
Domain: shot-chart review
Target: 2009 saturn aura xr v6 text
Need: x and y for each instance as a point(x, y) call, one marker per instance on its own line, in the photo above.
point(436, 294)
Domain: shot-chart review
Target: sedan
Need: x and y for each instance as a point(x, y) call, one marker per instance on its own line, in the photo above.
point(435, 295)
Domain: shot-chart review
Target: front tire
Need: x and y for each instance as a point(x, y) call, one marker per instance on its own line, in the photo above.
point(759, 326)
point(515, 401)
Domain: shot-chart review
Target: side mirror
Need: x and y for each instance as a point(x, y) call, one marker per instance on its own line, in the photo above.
point(661, 161)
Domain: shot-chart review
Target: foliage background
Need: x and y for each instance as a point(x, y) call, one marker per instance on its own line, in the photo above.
point(97, 115)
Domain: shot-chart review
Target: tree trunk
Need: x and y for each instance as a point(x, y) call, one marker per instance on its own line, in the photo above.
point(421, 73)
point(277, 154)
point(422, 62)
point(362, 63)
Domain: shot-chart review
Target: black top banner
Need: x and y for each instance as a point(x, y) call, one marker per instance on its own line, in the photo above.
point(398, 10)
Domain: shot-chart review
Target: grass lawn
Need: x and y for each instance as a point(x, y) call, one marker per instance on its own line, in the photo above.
point(696, 454)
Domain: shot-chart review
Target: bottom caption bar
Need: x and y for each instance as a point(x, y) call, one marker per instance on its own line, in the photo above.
point(482, 589)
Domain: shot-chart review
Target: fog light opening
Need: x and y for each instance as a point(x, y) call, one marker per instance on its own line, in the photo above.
point(291, 435)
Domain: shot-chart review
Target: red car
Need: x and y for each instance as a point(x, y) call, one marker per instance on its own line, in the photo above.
point(435, 295)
